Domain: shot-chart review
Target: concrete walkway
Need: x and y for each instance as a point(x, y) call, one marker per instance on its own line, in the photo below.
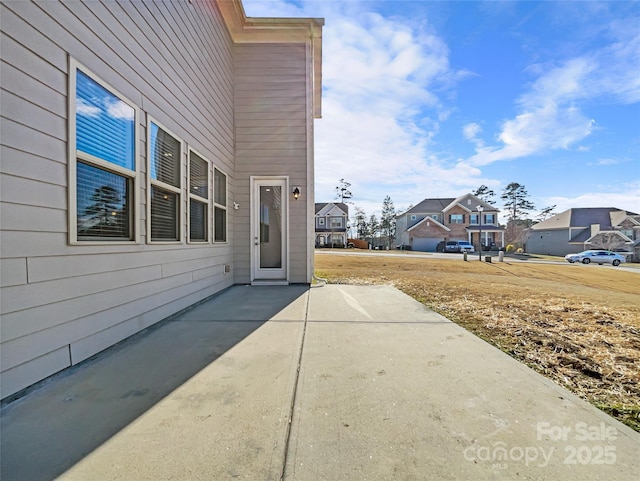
point(386, 390)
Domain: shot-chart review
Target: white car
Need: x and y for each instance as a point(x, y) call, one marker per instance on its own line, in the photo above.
point(599, 257)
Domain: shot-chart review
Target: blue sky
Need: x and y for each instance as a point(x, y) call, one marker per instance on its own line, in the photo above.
point(435, 98)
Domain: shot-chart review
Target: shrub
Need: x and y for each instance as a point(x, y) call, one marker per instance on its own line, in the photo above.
point(520, 250)
point(510, 248)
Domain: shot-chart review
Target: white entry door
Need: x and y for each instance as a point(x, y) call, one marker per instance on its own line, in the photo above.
point(269, 229)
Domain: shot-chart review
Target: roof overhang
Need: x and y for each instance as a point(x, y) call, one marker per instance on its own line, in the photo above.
point(245, 29)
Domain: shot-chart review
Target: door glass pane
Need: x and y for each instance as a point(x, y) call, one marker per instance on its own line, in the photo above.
point(270, 227)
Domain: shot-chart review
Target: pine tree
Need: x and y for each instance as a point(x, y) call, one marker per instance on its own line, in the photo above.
point(388, 220)
point(360, 221)
point(517, 205)
point(342, 191)
point(373, 226)
point(546, 213)
point(515, 201)
point(485, 194)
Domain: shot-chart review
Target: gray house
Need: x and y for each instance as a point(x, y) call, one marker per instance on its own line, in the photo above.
point(575, 230)
point(331, 222)
point(150, 154)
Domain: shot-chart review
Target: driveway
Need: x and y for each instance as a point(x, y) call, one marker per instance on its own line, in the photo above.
point(329, 383)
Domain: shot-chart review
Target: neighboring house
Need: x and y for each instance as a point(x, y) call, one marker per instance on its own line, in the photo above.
point(575, 230)
point(331, 221)
point(150, 151)
point(434, 220)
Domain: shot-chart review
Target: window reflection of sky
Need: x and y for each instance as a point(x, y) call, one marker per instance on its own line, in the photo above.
point(105, 125)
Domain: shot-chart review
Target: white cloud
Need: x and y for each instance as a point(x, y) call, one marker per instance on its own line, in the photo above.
point(551, 110)
point(607, 162)
point(119, 110)
point(471, 132)
point(88, 110)
point(381, 110)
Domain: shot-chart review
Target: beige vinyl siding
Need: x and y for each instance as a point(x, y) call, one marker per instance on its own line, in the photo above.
point(62, 303)
point(272, 122)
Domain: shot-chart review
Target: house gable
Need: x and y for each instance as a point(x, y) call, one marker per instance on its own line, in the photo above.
point(609, 240)
point(331, 209)
point(427, 222)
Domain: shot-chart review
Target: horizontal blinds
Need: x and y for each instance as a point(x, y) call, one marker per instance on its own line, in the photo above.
point(102, 203)
point(197, 220)
point(105, 125)
point(198, 176)
point(165, 156)
point(164, 215)
point(219, 187)
point(220, 224)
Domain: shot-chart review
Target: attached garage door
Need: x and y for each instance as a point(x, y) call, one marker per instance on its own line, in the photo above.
point(425, 244)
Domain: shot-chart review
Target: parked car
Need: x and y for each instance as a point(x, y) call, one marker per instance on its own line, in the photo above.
point(458, 246)
point(600, 257)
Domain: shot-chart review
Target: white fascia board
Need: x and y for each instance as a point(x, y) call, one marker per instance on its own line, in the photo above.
point(426, 219)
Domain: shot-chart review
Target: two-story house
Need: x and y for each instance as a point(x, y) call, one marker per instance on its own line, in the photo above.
point(434, 220)
point(331, 221)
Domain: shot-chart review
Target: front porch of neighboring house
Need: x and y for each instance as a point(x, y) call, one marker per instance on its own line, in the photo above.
point(331, 239)
point(492, 237)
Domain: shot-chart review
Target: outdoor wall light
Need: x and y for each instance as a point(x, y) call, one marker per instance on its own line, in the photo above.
point(296, 193)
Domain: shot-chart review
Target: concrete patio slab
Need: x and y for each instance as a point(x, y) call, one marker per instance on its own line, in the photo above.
point(415, 396)
point(386, 390)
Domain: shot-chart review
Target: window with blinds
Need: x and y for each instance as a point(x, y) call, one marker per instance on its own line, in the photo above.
point(219, 206)
point(165, 151)
point(104, 162)
point(198, 198)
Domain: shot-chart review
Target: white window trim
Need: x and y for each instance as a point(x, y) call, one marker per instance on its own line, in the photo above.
point(72, 156)
point(220, 206)
point(321, 221)
point(208, 201)
point(177, 190)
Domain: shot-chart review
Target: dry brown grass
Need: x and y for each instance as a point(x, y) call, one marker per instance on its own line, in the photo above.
point(578, 325)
